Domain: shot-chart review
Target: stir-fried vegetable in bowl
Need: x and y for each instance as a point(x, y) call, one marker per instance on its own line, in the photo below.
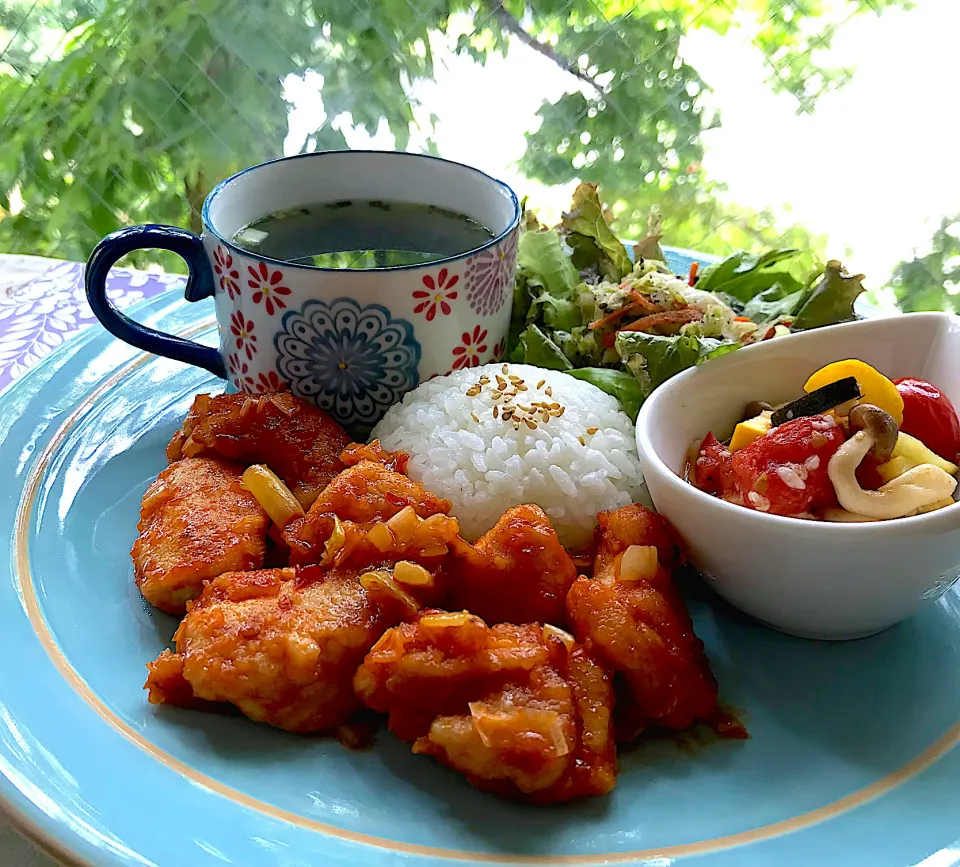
point(815, 578)
point(841, 452)
point(623, 320)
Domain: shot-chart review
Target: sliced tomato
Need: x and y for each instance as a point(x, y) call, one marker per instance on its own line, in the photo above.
point(712, 471)
point(785, 471)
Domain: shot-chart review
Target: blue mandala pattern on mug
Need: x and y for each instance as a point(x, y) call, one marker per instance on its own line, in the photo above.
point(354, 361)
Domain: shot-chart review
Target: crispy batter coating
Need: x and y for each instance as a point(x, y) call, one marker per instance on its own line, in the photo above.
point(363, 494)
point(518, 571)
point(413, 555)
point(370, 491)
point(641, 630)
point(356, 452)
point(299, 442)
point(281, 646)
point(196, 522)
point(632, 525)
point(521, 711)
point(166, 682)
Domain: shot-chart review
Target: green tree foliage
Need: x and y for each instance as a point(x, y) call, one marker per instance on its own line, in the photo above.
point(931, 281)
point(125, 111)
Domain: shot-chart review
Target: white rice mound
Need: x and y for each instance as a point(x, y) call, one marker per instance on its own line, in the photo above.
point(484, 467)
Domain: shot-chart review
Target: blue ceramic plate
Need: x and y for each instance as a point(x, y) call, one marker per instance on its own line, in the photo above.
point(851, 760)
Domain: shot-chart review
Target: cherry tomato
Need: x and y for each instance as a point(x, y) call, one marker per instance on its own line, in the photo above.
point(929, 416)
point(711, 471)
point(785, 471)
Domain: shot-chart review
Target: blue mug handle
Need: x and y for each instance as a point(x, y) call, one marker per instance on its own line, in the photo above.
point(200, 285)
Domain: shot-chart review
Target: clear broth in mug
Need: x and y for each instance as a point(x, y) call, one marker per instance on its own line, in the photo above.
point(362, 234)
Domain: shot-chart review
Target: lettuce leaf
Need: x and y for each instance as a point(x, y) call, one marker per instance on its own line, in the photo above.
point(590, 237)
point(539, 350)
point(551, 281)
point(770, 304)
point(777, 274)
point(545, 263)
point(622, 385)
point(546, 286)
point(653, 359)
point(518, 316)
point(558, 314)
point(831, 300)
point(580, 346)
point(826, 302)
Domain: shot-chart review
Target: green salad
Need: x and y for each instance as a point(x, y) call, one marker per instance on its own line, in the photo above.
point(583, 305)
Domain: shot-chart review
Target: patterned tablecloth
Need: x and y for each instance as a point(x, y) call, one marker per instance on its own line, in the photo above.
point(42, 304)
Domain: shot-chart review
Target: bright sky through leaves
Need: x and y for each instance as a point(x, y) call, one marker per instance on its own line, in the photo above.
point(864, 168)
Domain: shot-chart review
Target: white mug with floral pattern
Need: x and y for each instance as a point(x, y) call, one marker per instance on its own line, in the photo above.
point(352, 341)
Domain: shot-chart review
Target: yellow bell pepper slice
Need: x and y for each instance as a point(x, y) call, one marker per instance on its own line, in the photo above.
point(875, 388)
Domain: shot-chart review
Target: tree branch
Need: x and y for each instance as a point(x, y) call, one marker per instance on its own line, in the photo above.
point(511, 25)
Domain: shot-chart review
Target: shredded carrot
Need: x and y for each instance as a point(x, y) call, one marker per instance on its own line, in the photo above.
point(741, 318)
point(694, 267)
point(603, 321)
point(654, 320)
point(670, 317)
point(643, 301)
point(638, 301)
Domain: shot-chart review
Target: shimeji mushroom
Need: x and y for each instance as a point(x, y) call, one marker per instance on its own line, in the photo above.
point(916, 488)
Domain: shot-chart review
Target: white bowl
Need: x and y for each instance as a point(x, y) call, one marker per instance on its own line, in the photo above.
point(808, 578)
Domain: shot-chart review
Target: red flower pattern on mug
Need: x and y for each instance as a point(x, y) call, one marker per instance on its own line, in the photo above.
point(239, 372)
point(270, 381)
point(227, 275)
point(242, 330)
point(499, 349)
point(468, 354)
point(267, 287)
point(437, 295)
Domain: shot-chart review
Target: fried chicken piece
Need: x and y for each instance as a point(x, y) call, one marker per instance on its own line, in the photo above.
point(356, 452)
point(634, 620)
point(518, 571)
point(632, 525)
point(407, 550)
point(196, 522)
point(298, 441)
point(363, 494)
point(282, 645)
point(521, 711)
point(166, 682)
point(372, 519)
point(370, 491)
